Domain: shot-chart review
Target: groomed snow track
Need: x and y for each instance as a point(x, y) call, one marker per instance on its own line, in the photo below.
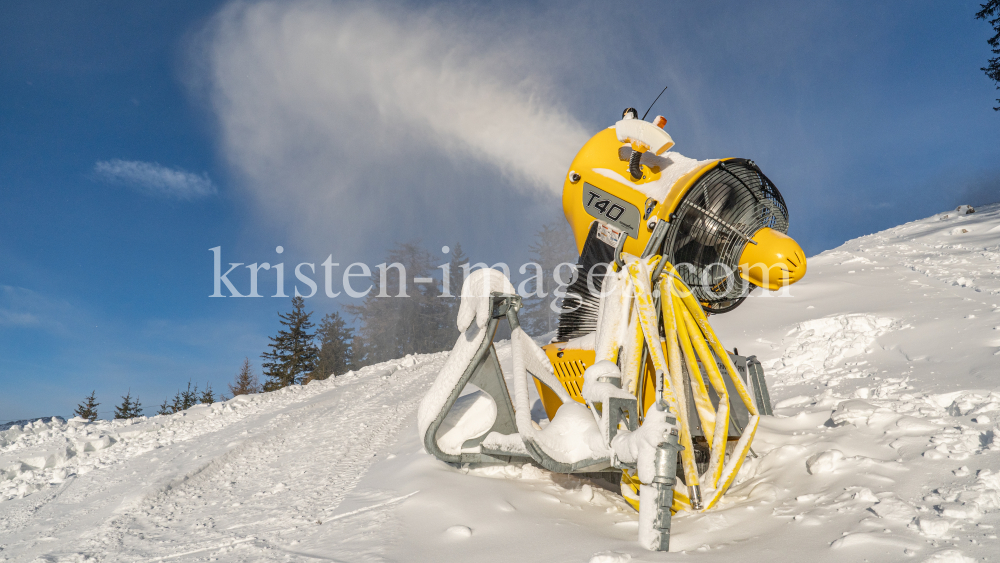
point(259, 477)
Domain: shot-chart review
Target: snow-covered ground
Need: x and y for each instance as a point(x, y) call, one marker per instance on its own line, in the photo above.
point(883, 364)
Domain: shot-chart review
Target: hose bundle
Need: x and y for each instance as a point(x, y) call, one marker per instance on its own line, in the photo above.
point(667, 306)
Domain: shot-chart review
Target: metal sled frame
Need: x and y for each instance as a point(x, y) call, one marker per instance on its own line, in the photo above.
point(485, 373)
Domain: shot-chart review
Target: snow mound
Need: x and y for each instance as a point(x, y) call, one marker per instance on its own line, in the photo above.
point(815, 347)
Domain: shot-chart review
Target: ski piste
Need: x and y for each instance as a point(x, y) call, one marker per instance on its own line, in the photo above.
point(881, 366)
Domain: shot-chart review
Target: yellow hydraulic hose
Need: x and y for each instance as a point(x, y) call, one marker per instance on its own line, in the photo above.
point(702, 402)
point(644, 307)
point(687, 342)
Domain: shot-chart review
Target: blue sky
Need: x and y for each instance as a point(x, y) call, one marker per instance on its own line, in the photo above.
point(136, 136)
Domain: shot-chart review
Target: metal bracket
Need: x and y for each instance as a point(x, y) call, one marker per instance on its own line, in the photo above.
point(618, 410)
point(489, 378)
point(755, 373)
point(618, 250)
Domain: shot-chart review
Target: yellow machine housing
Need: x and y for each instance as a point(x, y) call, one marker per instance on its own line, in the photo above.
point(775, 261)
point(569, 365)
point(601, 153)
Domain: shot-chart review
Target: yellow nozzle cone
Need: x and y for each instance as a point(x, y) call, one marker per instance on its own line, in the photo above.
point(774, 262)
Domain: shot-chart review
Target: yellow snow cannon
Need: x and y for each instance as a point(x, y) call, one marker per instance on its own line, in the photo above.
point(637, 387)
point(718, 226)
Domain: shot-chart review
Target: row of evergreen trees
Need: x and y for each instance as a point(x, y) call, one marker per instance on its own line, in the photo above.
point(129, 408)
point(387, 326)
point(188, 398)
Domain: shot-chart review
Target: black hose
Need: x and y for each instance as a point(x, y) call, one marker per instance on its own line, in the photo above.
point(633, 165)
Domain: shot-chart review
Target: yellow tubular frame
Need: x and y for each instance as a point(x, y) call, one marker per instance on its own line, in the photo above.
point(689, 341)
point(721, 476)
point(640, 274)
point(701, 400)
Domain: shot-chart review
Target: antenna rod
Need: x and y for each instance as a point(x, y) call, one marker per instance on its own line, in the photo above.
point(654, 102)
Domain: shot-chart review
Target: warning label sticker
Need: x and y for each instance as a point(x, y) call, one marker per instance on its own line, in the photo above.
point(608, 234)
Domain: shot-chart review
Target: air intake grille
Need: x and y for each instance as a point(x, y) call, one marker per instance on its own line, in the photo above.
point(713, 223)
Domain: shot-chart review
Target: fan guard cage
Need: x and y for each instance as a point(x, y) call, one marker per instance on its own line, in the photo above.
point(713, 223)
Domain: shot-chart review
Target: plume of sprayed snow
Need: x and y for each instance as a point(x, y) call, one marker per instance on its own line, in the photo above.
point(325, 106)
point(153, 179)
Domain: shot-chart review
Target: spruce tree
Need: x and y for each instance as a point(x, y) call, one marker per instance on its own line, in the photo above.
point(178, 404)
point(128, 408)
point(207, 397)
point(293, 353)
point(359, 352)
point(136, 408)
point(166, 408)
point(335, 347)
point(456, 275)
point(391, 325)
point(123, 410)
point(992, 70)
point(189, 397)
point(88, 408)
point(182, 400)
point(246, 382)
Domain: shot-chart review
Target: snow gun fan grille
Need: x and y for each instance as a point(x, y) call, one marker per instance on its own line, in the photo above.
point(713, 223)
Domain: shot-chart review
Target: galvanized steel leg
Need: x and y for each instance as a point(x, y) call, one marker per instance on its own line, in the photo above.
point(665, 467)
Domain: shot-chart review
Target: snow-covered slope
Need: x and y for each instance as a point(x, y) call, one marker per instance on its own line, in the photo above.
point(883, 364)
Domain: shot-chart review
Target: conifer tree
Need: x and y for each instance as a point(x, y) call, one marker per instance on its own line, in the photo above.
point(246, 382)
point(189, 397)
point(992, 69)
point(88, 408)
point(360, 355)
point(335, 347)
point(166, 408)
point(456, 275)
point(395, 322)
point(129, 408)
point(186, 399)
point(136, 408)
point(182, 400)
point(293, 353)
point(207, 397)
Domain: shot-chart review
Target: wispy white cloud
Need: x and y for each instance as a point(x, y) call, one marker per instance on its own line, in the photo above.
point(154, 179)
point(14, 318)
point(338, 115)
point(21, 307)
